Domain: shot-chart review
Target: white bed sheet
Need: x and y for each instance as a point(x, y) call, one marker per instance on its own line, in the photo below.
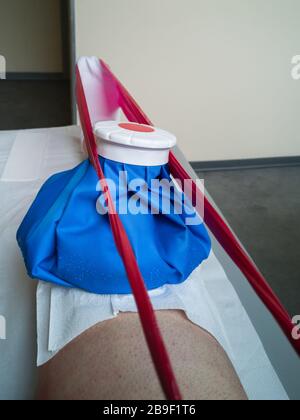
point(61, 151)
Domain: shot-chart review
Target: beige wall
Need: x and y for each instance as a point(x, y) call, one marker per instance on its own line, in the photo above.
point(30, 35)
point(217, 73)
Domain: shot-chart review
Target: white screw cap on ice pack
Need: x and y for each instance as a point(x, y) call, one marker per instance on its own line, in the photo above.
point(134, 144)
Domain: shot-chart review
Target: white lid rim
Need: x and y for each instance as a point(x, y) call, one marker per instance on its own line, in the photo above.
point(133, 147)
point(133, 155)
point(111, 132)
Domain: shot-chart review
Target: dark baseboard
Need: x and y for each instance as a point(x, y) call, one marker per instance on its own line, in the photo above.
point(35, 76)
point(239, 164)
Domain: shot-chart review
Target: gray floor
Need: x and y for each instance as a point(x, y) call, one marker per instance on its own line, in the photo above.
point(34, 104)
point(263, 208)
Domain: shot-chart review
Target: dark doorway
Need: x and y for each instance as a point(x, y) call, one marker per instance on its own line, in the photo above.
point(37, 90)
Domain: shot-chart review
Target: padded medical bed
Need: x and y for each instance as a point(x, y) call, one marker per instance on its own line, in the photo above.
point(27, 159)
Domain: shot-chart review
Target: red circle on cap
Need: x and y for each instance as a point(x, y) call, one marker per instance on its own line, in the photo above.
point(137, 127)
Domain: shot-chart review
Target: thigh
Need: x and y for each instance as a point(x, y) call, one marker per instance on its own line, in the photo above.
point(111, 361)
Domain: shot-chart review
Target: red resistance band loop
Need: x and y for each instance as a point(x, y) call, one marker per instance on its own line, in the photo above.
point(215, 223)
point(148, 320)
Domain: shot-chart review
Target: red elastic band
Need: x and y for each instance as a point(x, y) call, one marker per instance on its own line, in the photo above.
point(149, 323)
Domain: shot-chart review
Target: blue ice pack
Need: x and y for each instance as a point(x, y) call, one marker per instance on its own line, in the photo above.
point(66, 238)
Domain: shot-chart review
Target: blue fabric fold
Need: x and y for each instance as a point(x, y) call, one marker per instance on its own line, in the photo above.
point(66, 238)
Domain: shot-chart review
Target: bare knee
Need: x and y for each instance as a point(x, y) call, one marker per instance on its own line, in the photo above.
point(111, 361)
